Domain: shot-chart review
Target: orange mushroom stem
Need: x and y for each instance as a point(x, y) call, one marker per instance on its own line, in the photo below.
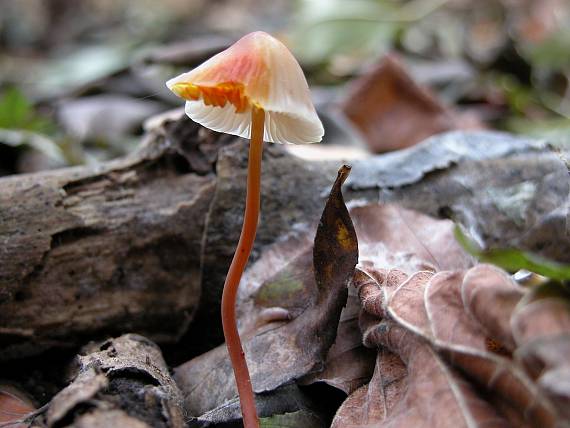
point(243, 250)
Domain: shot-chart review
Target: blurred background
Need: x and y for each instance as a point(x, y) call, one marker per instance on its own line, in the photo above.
point(79, 79)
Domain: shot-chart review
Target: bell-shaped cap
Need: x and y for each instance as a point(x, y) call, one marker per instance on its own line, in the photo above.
point(257, 71)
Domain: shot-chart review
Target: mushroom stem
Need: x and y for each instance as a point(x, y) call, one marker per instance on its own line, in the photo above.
point(243, 250)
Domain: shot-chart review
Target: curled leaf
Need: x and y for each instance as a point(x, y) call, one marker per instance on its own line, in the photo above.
point(541, 329)
point(462, 346)
point(412, 385)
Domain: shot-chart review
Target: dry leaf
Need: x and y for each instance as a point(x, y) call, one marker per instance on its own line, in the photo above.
point(457, 346)
point(14, 405)
point(283, 351)
point(455, 328)
point(388, 235)
point(349, 365)
point(432, 393)
point(393, 112)
point(541, 329)
point(490, 295)
point(392, 236)
point(370, 404)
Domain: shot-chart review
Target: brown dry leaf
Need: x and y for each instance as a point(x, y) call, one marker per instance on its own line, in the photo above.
point(430, 393)
point(284, 294)
point(14, 406)
point(370, 404)
point(454, 332)
point(541, 329)
point(349, 365)
point(457, 335)
point(485, 288)
point(282, 351)
point(439, 322)
point(392, 236)
point(394, 112)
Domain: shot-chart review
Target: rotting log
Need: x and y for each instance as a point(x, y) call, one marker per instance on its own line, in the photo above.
point(142, 244)
point(90, 251)
point(120, 382)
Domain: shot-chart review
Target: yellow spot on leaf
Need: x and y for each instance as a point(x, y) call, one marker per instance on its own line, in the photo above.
point(343, 236)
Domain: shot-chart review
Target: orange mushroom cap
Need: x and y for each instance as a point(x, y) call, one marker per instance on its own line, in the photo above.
point(258, 70)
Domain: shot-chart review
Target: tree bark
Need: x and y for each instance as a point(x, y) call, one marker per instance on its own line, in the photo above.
point(91, 251)
point(121, 382)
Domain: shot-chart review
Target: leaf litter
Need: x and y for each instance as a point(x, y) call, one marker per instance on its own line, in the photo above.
point(426, 337)
point(457, 344)
point(313, 289)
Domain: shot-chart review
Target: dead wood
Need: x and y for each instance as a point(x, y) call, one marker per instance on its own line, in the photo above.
point(119, 382)
point(104, 250)
point(142, 244)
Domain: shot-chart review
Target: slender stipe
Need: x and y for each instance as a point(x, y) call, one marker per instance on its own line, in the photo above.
point(239, 262)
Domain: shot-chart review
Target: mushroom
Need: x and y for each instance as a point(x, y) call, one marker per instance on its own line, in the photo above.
point(254, 89)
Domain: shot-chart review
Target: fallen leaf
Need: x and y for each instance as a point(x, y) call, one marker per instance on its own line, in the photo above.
point(438, 316)
point(282, 351)
point(370, 404)
point(392, 236)
point(349, 364)
point(288, 399)
point(431, 393)
point(461, 329)
point(393, 112)
point(490, 296)
point(541, 330)
point(14, 406)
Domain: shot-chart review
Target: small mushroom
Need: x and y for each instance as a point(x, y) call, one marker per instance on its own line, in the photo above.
point(254, 89)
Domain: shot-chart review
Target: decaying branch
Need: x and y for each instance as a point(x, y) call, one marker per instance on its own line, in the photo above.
point(121, 382)
point(107, 249)
point(142, 244)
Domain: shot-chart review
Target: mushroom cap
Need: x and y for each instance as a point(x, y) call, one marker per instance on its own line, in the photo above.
point(257, 71)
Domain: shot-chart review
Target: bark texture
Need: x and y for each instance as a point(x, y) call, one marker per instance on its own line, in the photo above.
point(121, 382)
point(92, 251)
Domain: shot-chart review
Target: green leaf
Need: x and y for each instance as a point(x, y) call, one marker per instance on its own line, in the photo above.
point(17, 112)
point(81, 67)
point(14, 109)
point(512, 259)
point(555, 130)
point(551, 53)
point(329, 28)
point(300, 418)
